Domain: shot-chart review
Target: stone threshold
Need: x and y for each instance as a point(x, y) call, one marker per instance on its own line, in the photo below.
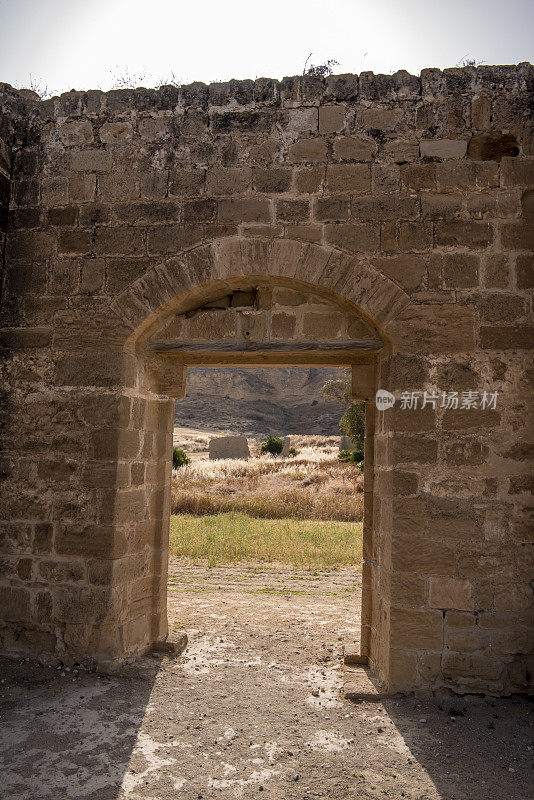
point(358, 683)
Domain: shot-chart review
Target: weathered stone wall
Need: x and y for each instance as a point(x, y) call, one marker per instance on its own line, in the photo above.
point(408, 199)
point(264, 314)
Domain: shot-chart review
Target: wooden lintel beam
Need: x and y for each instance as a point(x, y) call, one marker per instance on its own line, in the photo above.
point(271, 348)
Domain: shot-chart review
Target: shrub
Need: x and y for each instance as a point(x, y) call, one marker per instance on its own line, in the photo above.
point(179, 458)
point(352, 423)
point(351, 456)
point(273, 445)
point(292, 451)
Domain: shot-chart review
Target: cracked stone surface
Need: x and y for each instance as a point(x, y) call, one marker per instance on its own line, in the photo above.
point(252, 709)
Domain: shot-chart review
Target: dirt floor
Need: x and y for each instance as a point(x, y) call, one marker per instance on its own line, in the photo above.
point(252, 709)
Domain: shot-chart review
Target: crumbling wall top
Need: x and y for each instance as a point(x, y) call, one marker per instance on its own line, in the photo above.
point(367, 87)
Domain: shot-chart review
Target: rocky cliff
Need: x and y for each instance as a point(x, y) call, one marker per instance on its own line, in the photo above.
point(257, 400)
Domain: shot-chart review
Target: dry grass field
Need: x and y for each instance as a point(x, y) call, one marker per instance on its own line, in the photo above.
point(304, 510)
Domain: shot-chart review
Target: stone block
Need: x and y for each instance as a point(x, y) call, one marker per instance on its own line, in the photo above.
point(407, 270)
point(383, 207)
point(443, 148)
point(507, 337)
point(283, 326)
point(459, 270)
point(441, 206)
point(459, 419)
point(229, 447)
point(480, 112)
point(198, 211)
point(517, 171)
point(81, 188)
point(518, 235)
point(43, 538)
point(342, 87)
point(451, 593)
point(172, 238)
point(331, 119)
point(15, 603)
point(54, 191)
point(253, 326)
point(245, 209)
point(306, 233)
point(481, 668)
point(494, 307)
point(118, 186)
point(363, 380)
point(153, 128)
point(66, 215)
point(436, 329)
point(330, 209)
point(286, 448)
point(464, 451)
point(356, 238)
point(419, 176)
point(464, 234)
point(382, 119)
point(416, 629)
point(309, 180)
point(31, 245)
point(407, 590)
point(300, 120)
point(415, 237)
point(293, 210)
point(308, 151)
point(355, 178)
point(116, 132)
point(423, 556)
point(271, 180)
point(75, 242)
point(464, 175)
point(153, 184)
point(91, 161)
point(115, 241)
point(186, 182)
point(212, 325)
point(77, 132)
point(354, 148)
point(401, 150)
point(96, 369)
point(525, 271)
point(318, 325)
point(418, 449)
point(228, 180)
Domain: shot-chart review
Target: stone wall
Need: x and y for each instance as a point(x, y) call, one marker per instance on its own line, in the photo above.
point(406, 199)
point(266, 314)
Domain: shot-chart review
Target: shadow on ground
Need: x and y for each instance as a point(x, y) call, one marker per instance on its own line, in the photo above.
point(470, 748)
point(253, 709)
point(67, 733)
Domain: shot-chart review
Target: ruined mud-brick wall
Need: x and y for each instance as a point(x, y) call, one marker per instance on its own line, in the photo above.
point(413, 198)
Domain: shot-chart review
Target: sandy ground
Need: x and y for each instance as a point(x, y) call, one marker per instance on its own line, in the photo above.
point(252, 710)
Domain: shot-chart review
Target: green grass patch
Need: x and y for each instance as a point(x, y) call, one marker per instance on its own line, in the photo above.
point(233, 537)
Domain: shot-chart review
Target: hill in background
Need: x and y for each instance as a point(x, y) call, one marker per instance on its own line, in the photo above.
point(259, 400)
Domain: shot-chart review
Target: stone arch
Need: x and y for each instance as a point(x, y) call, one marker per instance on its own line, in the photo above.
point(179, 284)
point(376, 296)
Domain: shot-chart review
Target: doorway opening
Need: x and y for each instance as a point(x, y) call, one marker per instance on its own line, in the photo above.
point(249, 322)
point(266, 526)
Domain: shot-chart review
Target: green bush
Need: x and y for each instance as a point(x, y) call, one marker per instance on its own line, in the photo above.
point(352, 423)
point(179, 458)
point(292, 451)
point(273, 445)
point(352, 456)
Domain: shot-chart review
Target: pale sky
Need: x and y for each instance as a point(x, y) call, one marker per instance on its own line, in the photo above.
point(75, 44)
